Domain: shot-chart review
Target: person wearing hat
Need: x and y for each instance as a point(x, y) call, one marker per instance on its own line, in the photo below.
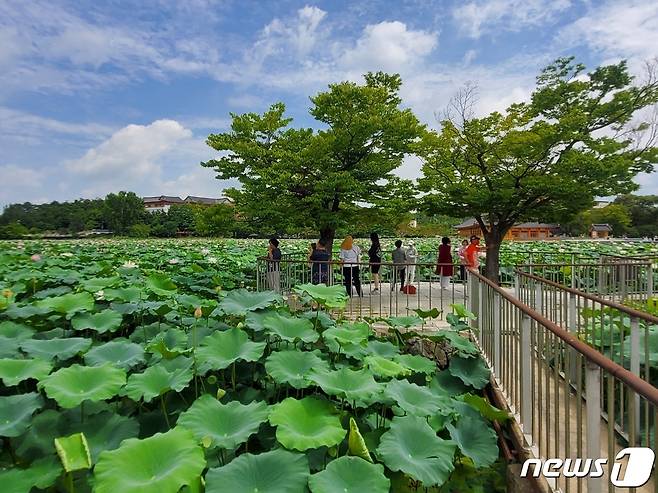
point(411, 260)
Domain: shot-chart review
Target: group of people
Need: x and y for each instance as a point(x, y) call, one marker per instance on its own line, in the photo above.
point(403, 269)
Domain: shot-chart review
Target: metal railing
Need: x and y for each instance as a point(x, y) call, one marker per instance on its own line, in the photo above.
point(619, 332)
point(618, 281)
point(570, 400)
point(388, 300)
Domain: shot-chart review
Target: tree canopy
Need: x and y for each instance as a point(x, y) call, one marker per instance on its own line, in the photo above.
point(326, 178)
point(545, 159)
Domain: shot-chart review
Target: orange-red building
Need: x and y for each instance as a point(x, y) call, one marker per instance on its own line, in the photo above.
point(522, 231)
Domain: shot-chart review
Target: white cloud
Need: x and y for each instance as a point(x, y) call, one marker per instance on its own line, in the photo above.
point(619, 29)
point(300, 33)
point(479, 17)
point(17, 183)
point(389, 46)
point(160, 158)
point(16, 122)
point(132, 151)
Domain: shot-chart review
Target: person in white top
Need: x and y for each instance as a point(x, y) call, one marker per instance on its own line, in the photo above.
point(412, 259)
point(350, 256)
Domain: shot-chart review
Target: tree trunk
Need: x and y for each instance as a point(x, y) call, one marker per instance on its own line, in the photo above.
point(493, 238)
point(327, 237)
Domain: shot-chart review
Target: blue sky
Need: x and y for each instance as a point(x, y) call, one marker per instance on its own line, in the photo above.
point(101, 96)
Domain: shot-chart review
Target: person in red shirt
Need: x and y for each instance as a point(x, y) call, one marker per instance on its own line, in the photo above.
point(471, 253)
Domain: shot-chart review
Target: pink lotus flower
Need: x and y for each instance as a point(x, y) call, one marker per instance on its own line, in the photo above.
point(36, 257)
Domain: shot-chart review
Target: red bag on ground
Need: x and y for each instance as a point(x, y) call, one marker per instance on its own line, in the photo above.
point(409, 289)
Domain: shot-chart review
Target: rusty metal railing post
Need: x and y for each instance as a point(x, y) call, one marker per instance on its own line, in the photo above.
point(526, 397)
point(496, 335)
point(593, 426)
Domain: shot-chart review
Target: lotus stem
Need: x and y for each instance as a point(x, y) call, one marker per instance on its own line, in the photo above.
point(233, 375)
point(69, 482)
point(164, 411)
point(196, 385)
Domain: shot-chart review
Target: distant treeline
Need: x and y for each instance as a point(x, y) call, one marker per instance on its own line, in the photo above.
point(120, 213)
point(635, 216)
point(124, 214)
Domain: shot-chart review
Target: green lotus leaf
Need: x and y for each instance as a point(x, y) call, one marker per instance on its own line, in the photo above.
point(224, 425)
point(13, 330)
point(278, 471)
point(385, 349)
point(385, 367)
point(461, 311)
point(60, 349)
point(16, 412)
point(411, 446)
point(25, 312)
point(416, 400)
point(487, 410)
point(405, 321)
point(321, 320)
point(130, 295)
point(101, 322)
point(291, 329)
point(73, 452)
point(255, 319)
point(160, 284)
point(163, 463)
point(443, 383)
point(294, 367)
point(471, 371)
point(105, 431)
point(119, 352)
point(417, 364)
point(306, 423)
point(333, 297)
point(221, 349)
point(462, 344)
point(351, 384)
point(14, 371)
point(350, 475)
point(73, 385)
point(169, 344)
point(355, 443)
point(11, 336)
point(476, 440)
point(41, 474)
point(433, 313)
point(96, 284)
point(345, 335)
point(157, 380)
point(69, 304)
point(240, 301)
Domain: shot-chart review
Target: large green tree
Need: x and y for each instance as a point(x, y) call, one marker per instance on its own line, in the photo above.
point(643, 210)
point(296, 178)
point(123, 210)
point(545, 159)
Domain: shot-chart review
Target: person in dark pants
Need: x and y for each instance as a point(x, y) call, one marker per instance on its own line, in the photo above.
point(399, 261)
point(319, 264)
point(350, 256)
point(375, 257)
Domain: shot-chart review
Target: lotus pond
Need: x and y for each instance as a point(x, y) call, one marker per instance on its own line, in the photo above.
point(123, 371)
